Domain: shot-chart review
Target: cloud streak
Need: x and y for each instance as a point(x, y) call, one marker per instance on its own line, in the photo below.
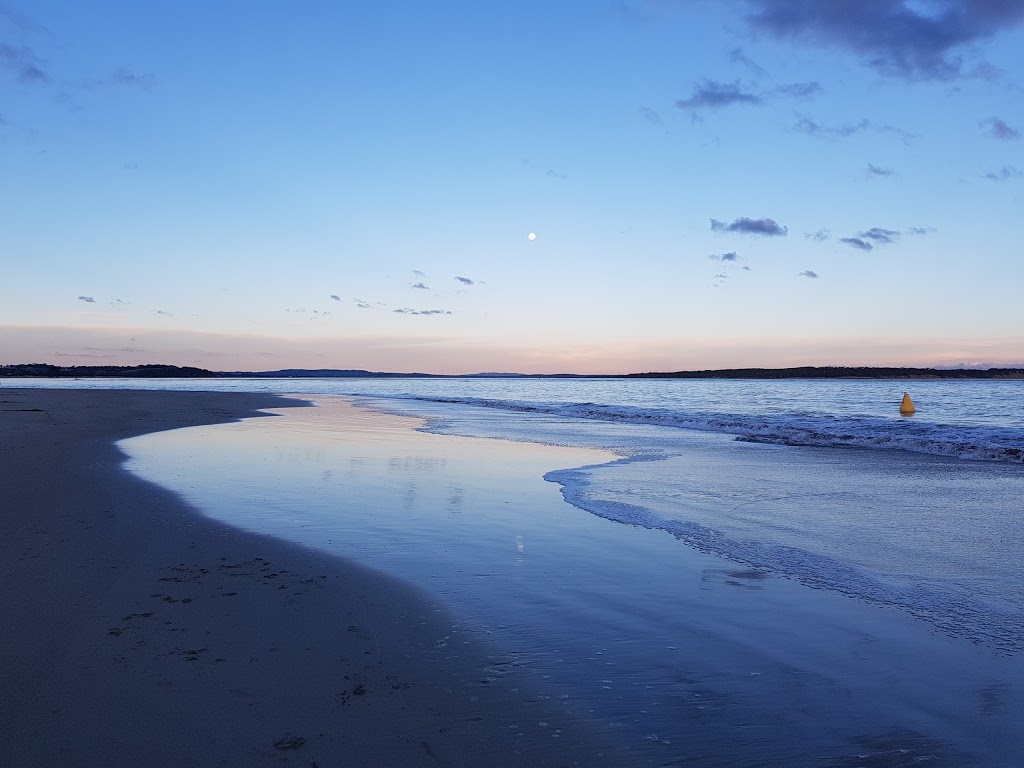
point(713, 94)
point(1005, 173)
point(87, 299)
point(844, 130)
point(407, 311)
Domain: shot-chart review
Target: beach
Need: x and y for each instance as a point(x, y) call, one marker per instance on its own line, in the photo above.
point(382, 581)
point(138, 632)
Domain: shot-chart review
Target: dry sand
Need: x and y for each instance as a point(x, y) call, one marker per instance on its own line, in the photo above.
point(138, 633)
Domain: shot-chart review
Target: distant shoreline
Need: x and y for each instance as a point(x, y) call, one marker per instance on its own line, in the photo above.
point(43, 370)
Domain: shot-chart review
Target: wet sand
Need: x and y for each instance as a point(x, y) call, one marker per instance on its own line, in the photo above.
point(138, 632)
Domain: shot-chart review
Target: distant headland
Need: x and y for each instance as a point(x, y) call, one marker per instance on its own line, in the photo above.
point(45, 370)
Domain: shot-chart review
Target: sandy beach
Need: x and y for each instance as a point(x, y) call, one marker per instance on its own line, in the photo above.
point(139, 633)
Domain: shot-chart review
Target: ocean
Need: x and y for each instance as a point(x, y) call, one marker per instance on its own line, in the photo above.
point(719, 572)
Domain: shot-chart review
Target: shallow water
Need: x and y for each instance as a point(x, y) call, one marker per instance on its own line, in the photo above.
point(722, 602)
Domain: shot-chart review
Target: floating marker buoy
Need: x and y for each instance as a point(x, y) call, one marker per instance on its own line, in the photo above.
point(907, 406)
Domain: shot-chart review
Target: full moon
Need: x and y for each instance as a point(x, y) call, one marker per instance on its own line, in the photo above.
point(532, 236)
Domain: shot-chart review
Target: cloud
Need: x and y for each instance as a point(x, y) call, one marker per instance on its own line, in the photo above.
point(856, 242)
point(745, 226)
point(806, 125)
point(418, 273)
point(1005, 173)
point(998, 129)
point(87, 299)
point(821, 235)
point(916, 41)
point(877, 170)
point(122, 77)
point(24, 63)
point(813, 128)
point(808, 273)
point(464, 280)
point(799, 90)
point(879, 235)
point(421, 286)
point(711, 94)
point(552, 173)
point(920, 230)
point(736, 56)
point(125, 77)
point(649, 115)
point(161, 312)
point(730, 256)
point(362, 304)
point(336, 297)
point(407, 311)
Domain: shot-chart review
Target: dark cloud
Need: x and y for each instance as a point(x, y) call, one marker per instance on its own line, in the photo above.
point(998, 129)
point(745, 226)
point(1005, 173)
point(808, 273)
point(87, 299)
point(879, 235)
point(23, 63)
point(464, 280)
point(407, 311)
point(711, 94)
point(421, 286)
point(877, 170)
point(746, 269)
point(336, 297)
point(820, 235)
point(730, 256)
point(856, 242)
point(919, 41)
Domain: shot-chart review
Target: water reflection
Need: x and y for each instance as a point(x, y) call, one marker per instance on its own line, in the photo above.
point(626, 624)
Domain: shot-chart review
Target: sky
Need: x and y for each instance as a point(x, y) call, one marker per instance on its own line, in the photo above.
point(711, 183)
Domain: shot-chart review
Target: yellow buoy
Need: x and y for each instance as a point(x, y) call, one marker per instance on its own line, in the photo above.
point(907, 406)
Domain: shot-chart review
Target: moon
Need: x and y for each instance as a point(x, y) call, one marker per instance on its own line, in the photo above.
point(532, 236)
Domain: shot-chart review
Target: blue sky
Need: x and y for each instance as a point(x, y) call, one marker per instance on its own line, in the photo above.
point(712, 184)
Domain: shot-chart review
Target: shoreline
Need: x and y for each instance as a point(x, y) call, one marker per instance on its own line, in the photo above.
point(147, 634)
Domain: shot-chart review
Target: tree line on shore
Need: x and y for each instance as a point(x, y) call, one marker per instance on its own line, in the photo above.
point(45, 370)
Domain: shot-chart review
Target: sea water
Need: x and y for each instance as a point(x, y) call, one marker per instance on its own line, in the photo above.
point(772, 570)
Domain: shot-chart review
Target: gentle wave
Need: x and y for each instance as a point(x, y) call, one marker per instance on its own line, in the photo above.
point(979, 443)
point(958, 609)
